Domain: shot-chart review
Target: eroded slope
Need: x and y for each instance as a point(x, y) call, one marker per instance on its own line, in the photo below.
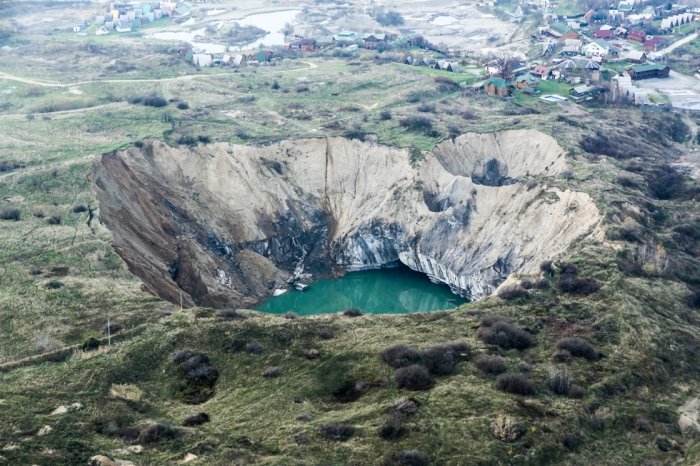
point(229, 224)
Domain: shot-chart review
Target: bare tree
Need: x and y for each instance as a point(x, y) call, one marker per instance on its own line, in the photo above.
point(505, 62)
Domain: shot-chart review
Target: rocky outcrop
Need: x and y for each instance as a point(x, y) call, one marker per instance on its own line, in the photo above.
point(229, 224)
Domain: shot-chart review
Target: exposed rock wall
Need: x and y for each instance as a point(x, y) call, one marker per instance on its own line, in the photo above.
point(229, 224)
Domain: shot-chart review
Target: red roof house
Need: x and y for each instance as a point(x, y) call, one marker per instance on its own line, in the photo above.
point(636, 36)
point(601, 34)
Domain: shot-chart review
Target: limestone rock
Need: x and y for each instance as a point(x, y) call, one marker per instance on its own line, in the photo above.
point(182, 217)
point(60, 410)
point(689, 420)
point(44, 431)
point(100, 460)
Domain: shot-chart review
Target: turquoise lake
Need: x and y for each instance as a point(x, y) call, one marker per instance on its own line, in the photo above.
point(385, 291)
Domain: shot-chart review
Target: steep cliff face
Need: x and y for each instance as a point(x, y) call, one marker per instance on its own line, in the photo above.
point(229, 224)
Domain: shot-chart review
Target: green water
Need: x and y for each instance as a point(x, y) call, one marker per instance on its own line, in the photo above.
point(386, 291)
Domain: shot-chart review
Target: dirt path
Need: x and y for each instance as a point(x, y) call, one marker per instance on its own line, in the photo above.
point(36, 82)
point(677, 44)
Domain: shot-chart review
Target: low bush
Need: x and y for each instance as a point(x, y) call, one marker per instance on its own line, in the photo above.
point(426, 107)
point(399, 355)
point(302, 88)
point(547, 268)
point(439, 360)
point(80, 208)
point(155, 432)
point(337, 432)
point(391, 429)
point(303, 417)
point(154, 101)
point(325, 333)
point(290, 315)
point(515, 383)
point(469, 115)
point(196, 419)
point(272, 372)
point(385, 115)
point(402, 408)
point(490, 364)
point(561, 355)
point(627, 182)
point(10, 166)
point(569, 441)
point(461, 349)
point(183, 105)
point(576, 391)
point(512, 292)
point(574, 285)
point(568, 268)
point(242, 133)
point(90, 344)
point(10, 213)
point(53, 285)
point(504, 334)
point(579, 347)
point(349, 392)
point(413, 377)
point(54, 220)
point(414, 458)
point(541, 284)
point(352, 312)
point(230, 314)
point(200, 376)
point(417, 123)
point(642, 424)
point(254, 348)
point(694, 299)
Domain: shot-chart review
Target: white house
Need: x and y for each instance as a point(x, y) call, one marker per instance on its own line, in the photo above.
point(202, 59)
point(597, 48)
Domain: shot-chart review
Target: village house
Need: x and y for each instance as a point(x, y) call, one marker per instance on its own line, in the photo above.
point(654, 44)
point(561, 31)
point(526, 80)
point(637, 57)
point(497, 86)
point(541, 71)
point(605, 34)
point(571, 47)
point(648, 71)
point(597, 48)
point(636, 36)
point(202, 59)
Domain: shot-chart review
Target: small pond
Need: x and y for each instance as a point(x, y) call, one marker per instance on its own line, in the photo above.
point(271, 22)
point(443, 20)
point(385, 291)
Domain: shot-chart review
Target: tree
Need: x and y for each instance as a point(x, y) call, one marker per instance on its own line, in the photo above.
point(505, 63)
point(390, 18)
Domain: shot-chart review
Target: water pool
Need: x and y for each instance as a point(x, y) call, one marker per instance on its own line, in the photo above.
point(385, 291)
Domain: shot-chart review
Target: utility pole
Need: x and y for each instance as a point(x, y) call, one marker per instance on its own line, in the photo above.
point(109, 332)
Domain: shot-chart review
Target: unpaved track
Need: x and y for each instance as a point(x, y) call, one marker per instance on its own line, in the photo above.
point(3, 75)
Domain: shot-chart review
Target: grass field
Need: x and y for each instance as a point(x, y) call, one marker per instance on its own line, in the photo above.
point(60, 281)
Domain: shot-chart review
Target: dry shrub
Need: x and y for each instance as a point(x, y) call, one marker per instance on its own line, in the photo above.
point(303, 417)
point(579, 347)
point(155, 432)
point(547, 268)
point(290, 315)
point(399, 355)
point(515, 383)
point(325, 333)
point(200, 376)
point(559, 381)
point(80, 208)
point(569, 283)
point(490, 364)
point(391, 429)
point(461, 349)
point(401, 408)
point(196, 419)
point(439, 360)
point(352, 312)
point(568, 268)
point(385, 115)
point(541, 284)
point(337, 432)
point(54, 220)
point(512, 292)
point(272, 372)
point(413, 377)
point(10, 213)
point(414, 458)
point(126, 392)
point(60, 104)
point(45, 343)
point(230, 314)
point(505, 429)
point(497, 330)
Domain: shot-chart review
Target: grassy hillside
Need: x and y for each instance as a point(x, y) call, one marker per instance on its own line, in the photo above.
point(60, 282)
